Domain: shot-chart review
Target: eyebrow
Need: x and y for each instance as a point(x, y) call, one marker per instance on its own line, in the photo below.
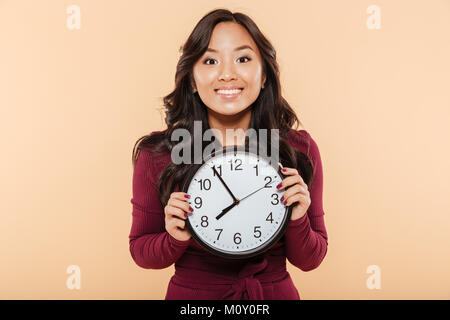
point(245, 46)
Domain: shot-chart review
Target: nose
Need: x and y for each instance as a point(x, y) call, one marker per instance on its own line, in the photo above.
point(227, 72)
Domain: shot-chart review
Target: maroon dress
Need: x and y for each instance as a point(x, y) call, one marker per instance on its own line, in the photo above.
point(200, 274)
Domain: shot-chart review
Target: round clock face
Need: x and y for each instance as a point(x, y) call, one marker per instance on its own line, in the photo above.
point(237, 207)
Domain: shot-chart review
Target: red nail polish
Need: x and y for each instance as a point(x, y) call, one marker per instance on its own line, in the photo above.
point(187, 196)
point(284, 170)
point(190, 209)
point(282, 198)
point(279, 185)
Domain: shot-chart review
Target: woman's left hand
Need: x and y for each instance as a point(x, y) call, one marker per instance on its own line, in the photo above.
point(297, 194)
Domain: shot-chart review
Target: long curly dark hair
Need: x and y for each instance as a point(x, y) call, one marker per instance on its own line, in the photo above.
point(269, 111)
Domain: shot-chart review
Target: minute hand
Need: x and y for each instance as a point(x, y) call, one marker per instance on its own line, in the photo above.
point(254, 192)
point(226, 187)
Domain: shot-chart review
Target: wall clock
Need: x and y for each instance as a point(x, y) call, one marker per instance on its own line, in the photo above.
point(237, 208)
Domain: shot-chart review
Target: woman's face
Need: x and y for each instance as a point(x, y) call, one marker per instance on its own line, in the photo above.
point(223, 66)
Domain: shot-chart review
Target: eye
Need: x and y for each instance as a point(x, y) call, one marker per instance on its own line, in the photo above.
point(204, 61)
point(208, 59)
point(245, 58)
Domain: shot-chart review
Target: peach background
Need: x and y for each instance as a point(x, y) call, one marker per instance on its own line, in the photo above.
point(73, 102)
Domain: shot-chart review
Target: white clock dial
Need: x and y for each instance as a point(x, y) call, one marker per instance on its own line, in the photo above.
point(258, 217)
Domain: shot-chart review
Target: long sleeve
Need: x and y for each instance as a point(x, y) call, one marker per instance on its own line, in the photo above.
point(151, 246)
point(306, 238)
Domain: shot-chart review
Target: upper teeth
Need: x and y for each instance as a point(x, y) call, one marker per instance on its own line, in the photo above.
point(229, 91)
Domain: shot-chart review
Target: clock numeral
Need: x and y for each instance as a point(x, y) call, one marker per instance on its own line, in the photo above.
point(257, 231)
point(205, 183)
point(198, 204)
point(204, 221)
point(220, 170)
point(256, 168)
point(237, 239)
point(276, 199)
point(237, 167)
point(269, 218)
point(267, 185)
point(220, 232)
point(240, 163)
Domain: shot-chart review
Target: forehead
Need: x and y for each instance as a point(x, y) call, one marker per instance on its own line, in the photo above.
point(227, 36)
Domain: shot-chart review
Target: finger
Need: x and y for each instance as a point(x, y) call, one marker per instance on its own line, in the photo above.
point(175, 212)
point(286, 182)
point(180, 195)
point(303, 188)
point(173, 222)
point(291, 191)
point(289, 171)
point(179, 223)
point(298, 197)
point(183, 205)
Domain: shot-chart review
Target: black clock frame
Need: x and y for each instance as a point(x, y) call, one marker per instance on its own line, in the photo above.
point(245, 254)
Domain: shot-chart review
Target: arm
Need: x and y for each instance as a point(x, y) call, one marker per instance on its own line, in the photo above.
point(151, 246)
point(306, 238)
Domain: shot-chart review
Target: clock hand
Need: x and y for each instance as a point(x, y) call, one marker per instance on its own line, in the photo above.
point(237, 202)
point(255, 191)
point(226, 210)
point(226, 187)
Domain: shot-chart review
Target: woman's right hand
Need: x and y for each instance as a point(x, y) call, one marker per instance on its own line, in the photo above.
point(175, 215)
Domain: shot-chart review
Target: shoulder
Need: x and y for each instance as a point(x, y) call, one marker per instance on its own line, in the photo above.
point(303, 141)
point(147, 143)
point(300, 139)
point(150, 160)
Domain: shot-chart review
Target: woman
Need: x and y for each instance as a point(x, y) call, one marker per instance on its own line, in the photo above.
point(226, 50)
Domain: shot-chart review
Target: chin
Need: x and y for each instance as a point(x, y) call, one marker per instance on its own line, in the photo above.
point(232, 112)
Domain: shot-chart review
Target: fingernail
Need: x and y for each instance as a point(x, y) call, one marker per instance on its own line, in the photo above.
point(190, 209)
point(185, 215)
point(282, 198)
point(284, 202)
point(284, 170)
point(187, 196)
point(279, 185)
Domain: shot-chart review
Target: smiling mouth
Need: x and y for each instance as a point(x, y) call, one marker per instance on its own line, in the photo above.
point(216, 90)
point(229, 94)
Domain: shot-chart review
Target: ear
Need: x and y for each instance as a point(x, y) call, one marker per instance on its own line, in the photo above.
point(194, 87)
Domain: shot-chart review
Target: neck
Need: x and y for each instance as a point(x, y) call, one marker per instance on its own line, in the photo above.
point(237, 123)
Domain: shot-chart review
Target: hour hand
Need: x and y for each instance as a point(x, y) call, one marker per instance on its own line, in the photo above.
point(226, 187)
point(226, 210)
